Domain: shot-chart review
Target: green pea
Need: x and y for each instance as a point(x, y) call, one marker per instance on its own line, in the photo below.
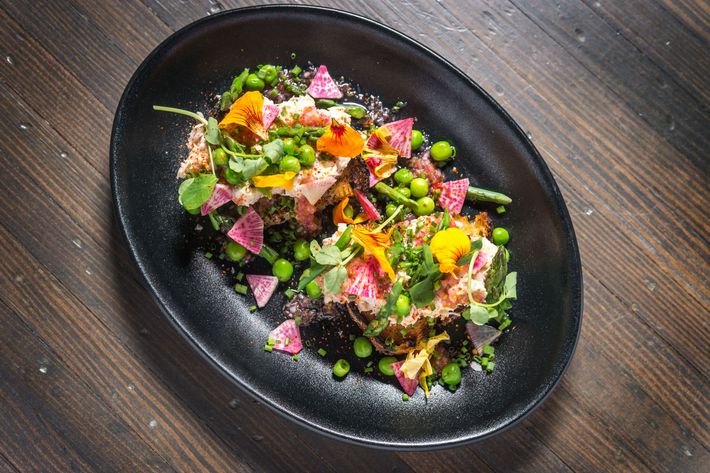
point(500, 236)
point(402, 305)
point(362, 346)
point(341, 368)
point(232, 177)
point(417, 139)
point(289, 164)
point(282, 269)
point(196, 211)
point(301, 250)
point(349, 211)
point(419, 187)
point(425, 206)
point(290, 146)
point(254, 83)
point(313, 290)
point(219, 157)
point(307, 155)
point(268, 73)
point(235, 251)
point(451, 374)
point(390, 209)
point(442, 150)
point(404, 191)
point(385, 365)
point(403, 176)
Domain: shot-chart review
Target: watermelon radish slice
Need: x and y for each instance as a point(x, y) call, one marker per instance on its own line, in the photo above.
point(287, 332)
point(367, 206)
point(363, 283)
point(372, 163)
point(249, 231)
point(408, 385)
point(323, 86)
point(269, 113)
point(453, 194)
point(221, 194)
point(263, 287)
point(481, 260)
point(400, 137)
point(313, 191)
point(481, 335)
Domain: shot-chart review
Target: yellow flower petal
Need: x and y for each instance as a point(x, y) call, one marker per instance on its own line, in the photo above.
point(375, 243)
point(448, 246)
point(246, 112)
point(418, 359)
point(340, 140)
point(340, 217)
point(284, 180)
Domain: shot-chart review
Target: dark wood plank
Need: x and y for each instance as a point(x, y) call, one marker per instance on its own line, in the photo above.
point(691, 14)
point(49, 407)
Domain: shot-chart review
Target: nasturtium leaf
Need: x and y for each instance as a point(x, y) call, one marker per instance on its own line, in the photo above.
point(212, 133)
point(197, 192)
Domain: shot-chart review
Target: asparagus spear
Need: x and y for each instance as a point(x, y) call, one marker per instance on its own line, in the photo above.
point(395, 195)
point(485, 195)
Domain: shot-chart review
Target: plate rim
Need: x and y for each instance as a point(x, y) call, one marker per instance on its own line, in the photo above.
point(576, 273)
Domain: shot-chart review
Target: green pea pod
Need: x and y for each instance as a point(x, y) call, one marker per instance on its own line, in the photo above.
point(344, 239)
point(325, 103)
point(485, 195)
point(269, 254)
point(395, 195)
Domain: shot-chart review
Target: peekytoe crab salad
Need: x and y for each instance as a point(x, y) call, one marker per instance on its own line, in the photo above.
point(348, 205)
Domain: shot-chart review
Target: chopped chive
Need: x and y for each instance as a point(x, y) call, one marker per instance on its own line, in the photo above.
point(504, 325)
point(296, 116)
point(308, 343)
point(488, 350)
point(405, 397)
point(403, 332)
point(289, 293)
point(464, 343)
point(368, 370)
point(240, 276)
point(293, 57)
point(268, 348)
point(431, 320)
point(351, 337)
point(297, 319)
point(287, 341)
point(208, 255)
point(490, 366)
point(491, 357)
point(484, 362)
point(221, 256)
point(271, 341)
point(500, 209)
point(322, 352)
point(295, 357)
point(241, 289)
point(253, 308)
point(369, 363)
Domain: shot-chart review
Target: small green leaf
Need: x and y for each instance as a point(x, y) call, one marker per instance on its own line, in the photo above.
point(328, 255)
point(509, 287)
point(212, 133)
point(315, 247)
point(274, 150)
point(196, 193)
point(238, 84)
point(333, 279)
point(479, 315)
point(355, 112)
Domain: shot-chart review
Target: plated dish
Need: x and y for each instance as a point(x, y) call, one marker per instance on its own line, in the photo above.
point(273, 173)
point(197, 294)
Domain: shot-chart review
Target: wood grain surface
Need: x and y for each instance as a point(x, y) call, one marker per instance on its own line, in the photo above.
point(614, 94)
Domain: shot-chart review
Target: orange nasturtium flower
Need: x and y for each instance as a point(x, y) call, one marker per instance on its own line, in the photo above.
point(340, 140)
point(448, 246)
point(246, 112)
point(376, 244)
point(340, 217)
point(418, 359)
point(284, 180)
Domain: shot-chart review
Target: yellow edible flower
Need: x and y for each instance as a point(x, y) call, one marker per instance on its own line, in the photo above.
point(448, 246)
point(376, 244)
point(284, 180)
point(340, 217)
point(385, 156)
point(246, 112)
point(418, 359)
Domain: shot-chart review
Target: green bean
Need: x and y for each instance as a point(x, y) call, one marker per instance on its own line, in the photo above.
point(395, 195)
point(485, 195)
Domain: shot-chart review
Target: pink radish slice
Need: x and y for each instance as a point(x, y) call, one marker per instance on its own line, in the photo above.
point(408, 385)
point(367, 206)
point(249, 231)
point(287, 332)
point(323, 86)
point(481, 335)
point(372, 163)
point(221, 194)
point(263, 287)
point(400, 137)
point(481, 260)
point(363, 282)
point(453, 195)
point(269, 113)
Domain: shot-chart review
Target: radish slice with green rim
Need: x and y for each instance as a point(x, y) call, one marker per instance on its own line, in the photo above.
point(323, 86)
point(363, 282)
point(262, 287)
point(287, 337)
point(453, 195)
point(269, 114)
point(249, 231)
point(221, 194)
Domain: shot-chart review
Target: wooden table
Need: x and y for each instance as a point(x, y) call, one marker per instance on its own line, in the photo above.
point(614, 95)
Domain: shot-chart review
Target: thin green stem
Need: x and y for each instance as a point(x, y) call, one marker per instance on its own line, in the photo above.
point(180, 111)
point(389, 219)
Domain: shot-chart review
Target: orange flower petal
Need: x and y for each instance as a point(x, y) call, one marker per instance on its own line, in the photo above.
point(340, 140)
point(448, 246)
point(284, 180)
point(247, 112)
point(376, 244)
point(340, 217)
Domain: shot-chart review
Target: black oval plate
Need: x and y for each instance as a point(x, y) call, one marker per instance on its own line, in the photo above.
point(199, 61)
